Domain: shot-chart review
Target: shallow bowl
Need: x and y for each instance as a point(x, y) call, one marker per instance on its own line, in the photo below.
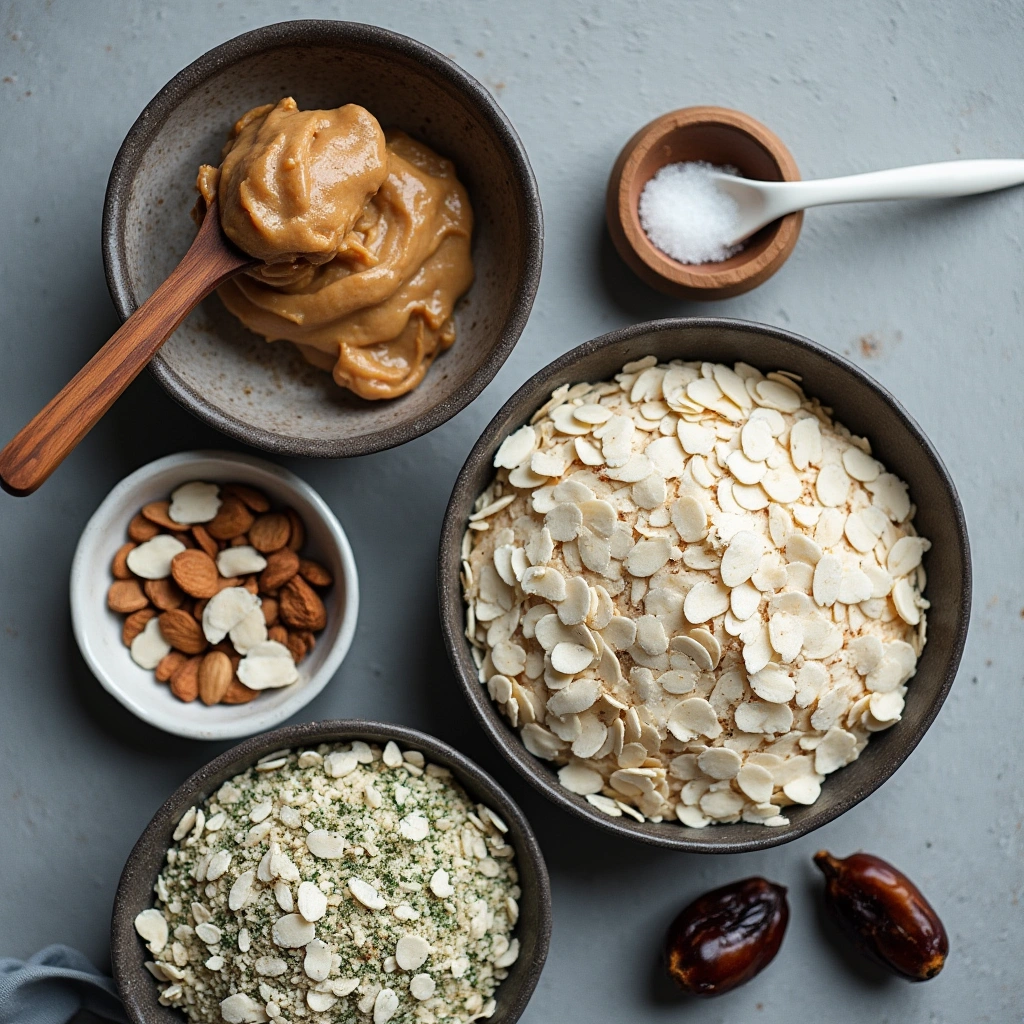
point(98, 630)
point(864, 406)
point(267, 395)
point(135, 889)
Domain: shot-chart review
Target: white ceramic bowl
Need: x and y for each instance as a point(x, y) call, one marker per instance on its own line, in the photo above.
point(98, 630)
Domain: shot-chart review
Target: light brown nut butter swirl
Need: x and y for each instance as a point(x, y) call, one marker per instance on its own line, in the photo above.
point(364, 238)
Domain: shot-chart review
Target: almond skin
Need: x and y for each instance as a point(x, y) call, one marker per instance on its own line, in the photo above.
point(119, 567)
point(249, 496)
point(314, 573)
point(215, 675)
point(296, 647)
point(140, 529)
point(204, 540)
point(300, 606)
point(281, 567)
point(278, 633)
point(232, 520)
point(165, 594)
point(185, 680)
point(159, 512)
point(126, 596)
point(196, 573)
point(298, 528)
point(238, 693)
point(270, 532)
point(251, 585)
point(269, 610)
point(182, 632)
point(135, 624)
point(168, 665)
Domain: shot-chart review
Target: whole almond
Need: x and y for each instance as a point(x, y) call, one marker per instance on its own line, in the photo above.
point(215, 675)
point(298, 528)
point(126, 596)
point(165, 594)
point(251, 585)
point(296, 647)
point(168, 665)
point(231, 520)
point(140, 529)
point(185, 680)
point(159, 512)
point(238, 693)
point(254, 499)
point(281, 567)
point(300, 605)
point(269, 610)
point(182, 631)
point(196, 573)
point(278, 633)
point(119, 567)
point(198, 608)
point(270, 532)
point(185, 538)
point(204, 540)
point(135, 624)
point(315, 573)
point(308, 638)
point(238, 542)
point(228, 581)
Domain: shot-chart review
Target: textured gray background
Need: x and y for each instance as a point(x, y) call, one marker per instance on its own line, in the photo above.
point(927, 298)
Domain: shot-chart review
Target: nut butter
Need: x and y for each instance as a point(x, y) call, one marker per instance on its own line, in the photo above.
point(364, 238)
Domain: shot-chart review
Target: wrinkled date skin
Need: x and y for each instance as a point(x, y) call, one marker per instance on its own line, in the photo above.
point(884, 914)
point(727, 936)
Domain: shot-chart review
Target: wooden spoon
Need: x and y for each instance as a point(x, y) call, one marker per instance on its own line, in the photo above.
point(40, 447)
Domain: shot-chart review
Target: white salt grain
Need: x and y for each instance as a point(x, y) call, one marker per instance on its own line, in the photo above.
point(686, 216)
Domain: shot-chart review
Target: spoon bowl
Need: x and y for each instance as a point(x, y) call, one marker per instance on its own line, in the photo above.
point(722, 137)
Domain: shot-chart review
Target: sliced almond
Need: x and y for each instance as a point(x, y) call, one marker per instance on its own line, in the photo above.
point(149, 646)
point(232, 520)
point(225, 610)
point(281, 567)
point(126, 596)
point(164, 594)
point(314, 573)
point(267, 665)
point(119, 566)
point(270, 532)
point(194, 502)
point(152, 559)
point(140, 529)
point(182, 631)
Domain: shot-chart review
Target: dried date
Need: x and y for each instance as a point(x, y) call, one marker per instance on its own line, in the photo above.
point(884, 914)
point(727, 936)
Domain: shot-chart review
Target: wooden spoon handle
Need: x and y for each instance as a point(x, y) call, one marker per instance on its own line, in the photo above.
point(39, 448)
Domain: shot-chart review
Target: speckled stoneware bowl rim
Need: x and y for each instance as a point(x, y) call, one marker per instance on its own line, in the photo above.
point(135, 887)
point(517, 410)
point(321, 31)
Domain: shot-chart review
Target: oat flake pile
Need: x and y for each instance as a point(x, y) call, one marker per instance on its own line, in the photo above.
point(694, 592)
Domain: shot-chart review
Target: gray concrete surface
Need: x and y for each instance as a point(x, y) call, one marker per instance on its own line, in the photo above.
point(927, 298)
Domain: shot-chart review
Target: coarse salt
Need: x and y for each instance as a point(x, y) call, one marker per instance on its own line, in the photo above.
point(687, 216)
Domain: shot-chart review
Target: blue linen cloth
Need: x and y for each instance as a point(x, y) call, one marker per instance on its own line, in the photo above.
point(52, 986)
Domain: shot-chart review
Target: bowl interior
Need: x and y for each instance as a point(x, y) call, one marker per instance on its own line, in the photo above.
point(135, 889)
point(268, 395)
point(719, 144)
point(859, 403)
point(98, 630)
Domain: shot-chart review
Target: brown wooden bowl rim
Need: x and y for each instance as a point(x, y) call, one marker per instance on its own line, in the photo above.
point(625, 229)
point(135, 890)
point(323, 31)
point(713, 839)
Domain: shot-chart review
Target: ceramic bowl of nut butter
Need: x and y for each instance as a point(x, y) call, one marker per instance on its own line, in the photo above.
point(392, 208)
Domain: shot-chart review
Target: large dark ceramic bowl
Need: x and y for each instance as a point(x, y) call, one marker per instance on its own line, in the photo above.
point(267, 395)
point(864, 406)
point(135, 889)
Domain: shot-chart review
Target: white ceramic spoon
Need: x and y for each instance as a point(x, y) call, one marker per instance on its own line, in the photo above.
point(761, 202)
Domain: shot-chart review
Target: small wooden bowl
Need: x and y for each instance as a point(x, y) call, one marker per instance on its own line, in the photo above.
point(719, 136)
